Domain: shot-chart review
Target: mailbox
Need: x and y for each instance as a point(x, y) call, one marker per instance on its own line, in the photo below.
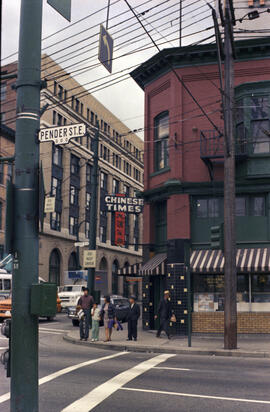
point(43, 299)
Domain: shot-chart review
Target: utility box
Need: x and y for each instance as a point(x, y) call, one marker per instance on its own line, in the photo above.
point(43, 299)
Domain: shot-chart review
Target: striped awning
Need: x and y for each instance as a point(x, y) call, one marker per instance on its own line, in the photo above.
point(155, 266)
point(247, 260)
point(131, 270)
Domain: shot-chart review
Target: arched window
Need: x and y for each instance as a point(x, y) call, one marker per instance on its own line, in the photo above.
point(54, 267)
point(126, 283)
point(72, 262)
point(115, 267)
point(103, 264)
point(161, 136)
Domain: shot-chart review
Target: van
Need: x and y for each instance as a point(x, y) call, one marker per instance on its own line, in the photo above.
point(5, 284)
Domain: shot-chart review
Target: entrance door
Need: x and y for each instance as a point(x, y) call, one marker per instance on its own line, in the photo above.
point(157, 287)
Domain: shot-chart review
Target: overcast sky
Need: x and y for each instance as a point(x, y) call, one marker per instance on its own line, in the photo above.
point(160, 17)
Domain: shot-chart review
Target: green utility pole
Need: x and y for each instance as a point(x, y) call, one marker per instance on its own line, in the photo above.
point(93, 210)
point(230, 308)
point(24, 337)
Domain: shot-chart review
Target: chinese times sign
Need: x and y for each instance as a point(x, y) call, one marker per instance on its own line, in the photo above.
point(118, 203)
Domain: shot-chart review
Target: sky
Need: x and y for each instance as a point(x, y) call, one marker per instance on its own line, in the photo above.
point(75, 46)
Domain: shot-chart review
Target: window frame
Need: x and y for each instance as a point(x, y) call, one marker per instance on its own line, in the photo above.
point(161, 150)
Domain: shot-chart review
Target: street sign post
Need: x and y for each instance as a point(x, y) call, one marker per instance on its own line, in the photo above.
point(81, 244)
point(62, 134)
point(105, 52)
point(49, 205)
point(89, 258)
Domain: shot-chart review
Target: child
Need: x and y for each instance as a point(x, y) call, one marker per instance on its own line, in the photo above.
point(95, 322)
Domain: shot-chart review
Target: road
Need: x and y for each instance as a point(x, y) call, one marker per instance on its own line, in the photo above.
point(81, 379)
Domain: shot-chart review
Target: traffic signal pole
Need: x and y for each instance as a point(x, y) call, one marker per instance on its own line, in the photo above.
point(230, 280)
point(24, 339)
point(93, 210)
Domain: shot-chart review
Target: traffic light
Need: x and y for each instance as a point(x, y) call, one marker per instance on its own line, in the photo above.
point(5, 357)
point(217, 237)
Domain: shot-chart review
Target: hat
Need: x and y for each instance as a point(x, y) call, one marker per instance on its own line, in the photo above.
point(133, 297)
point(166, 292)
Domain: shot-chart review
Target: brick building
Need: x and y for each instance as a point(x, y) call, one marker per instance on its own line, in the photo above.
point(183, 185)
point(67, 176)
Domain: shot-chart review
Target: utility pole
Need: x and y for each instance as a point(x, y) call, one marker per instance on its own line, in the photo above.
point(24, 338)
point(230, 279)
point(93, 210)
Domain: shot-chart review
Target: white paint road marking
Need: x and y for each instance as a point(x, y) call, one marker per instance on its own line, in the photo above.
point(55, 330)
point(102, 392)
point(45, 379)
point(192, 395)
point(172, 369)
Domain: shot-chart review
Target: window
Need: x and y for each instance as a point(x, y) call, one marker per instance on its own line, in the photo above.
point(92, 119)
point(74, 195)
point(88, 173)
point(87, 201)
point(81, 108)
point(161, 135)
point(74, 165)
point(88, 113)
point(240, 206)
point(160, 216)
point(258, 206)
point(102, 234)
point(1, 212)
point(60, 92)
point(10, 171)
point(126, 190)
point(56, 221)
point(3, 92)
point(73, 225)
point(57, 155)
point(2, 117)
point(103, 180)
point(56, 187)
point(55, 88)
point(115, 188)
point(260, 124)
point(77, 105)
point(65, 95)
point(1, 173)
point(87, 229)
point(207, 208)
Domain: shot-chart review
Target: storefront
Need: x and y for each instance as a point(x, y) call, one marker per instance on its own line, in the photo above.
point(253, 290)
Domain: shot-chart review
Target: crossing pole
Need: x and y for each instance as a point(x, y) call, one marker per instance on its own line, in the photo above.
point(93, 210)
point(230, 280)
point(24, 340)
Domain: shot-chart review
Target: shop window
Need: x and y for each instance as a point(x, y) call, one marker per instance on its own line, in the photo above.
point(54, 267)
point(260, 288)
point(161, 136)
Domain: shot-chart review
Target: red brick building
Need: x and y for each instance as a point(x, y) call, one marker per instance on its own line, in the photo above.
point(183, 184)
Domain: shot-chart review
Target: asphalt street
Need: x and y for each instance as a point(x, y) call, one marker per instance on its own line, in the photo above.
point(81, 379)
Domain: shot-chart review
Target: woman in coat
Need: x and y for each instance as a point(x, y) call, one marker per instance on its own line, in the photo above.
point(108, 316)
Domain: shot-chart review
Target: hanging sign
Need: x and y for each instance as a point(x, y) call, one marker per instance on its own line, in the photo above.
point(62, 134)
point(120, 220)
point(105, 51)
point(49, 205)
point(89, 258)
point(115, 203)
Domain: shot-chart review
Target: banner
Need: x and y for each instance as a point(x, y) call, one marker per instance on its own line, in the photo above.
point(120, 219)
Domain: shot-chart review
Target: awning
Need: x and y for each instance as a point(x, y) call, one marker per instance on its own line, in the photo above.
point(247, 260)
point(131, 270)
point(155, 266)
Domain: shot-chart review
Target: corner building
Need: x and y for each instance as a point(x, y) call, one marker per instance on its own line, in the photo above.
point(183, 186)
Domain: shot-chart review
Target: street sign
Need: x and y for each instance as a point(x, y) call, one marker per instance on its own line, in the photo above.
point(81, 244)
point(89, 258)
point(62, 134)
point(105, 52)
point(116, 203)
point(49, 205)
point(62, 6)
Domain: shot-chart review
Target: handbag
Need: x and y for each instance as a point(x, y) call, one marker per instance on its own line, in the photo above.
point(110, 323)
point(81, 314)
point(173, 318)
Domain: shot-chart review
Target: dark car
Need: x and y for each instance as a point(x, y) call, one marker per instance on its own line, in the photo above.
point(121, 309)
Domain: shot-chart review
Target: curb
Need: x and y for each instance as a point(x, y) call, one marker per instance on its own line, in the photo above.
point(156, 349)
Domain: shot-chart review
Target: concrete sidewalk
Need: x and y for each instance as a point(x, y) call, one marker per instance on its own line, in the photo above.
point(255, 346)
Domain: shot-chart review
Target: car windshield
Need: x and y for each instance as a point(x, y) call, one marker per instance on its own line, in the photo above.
point(120, 302)
point(71, 288)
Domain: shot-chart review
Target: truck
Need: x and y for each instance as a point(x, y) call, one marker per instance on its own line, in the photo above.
point(70, 294)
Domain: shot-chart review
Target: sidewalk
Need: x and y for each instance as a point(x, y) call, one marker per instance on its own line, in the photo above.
point(255, 346)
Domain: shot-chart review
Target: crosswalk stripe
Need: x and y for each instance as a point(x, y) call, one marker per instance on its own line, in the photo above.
point(102, 392)
point(52, 376)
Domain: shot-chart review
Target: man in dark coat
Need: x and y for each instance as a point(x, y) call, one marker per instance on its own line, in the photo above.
point(165, 314)
point(133, 316)
point(85, 303)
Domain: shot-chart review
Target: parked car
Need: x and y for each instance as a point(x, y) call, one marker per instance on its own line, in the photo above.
point(121, 309)
point(70, 294)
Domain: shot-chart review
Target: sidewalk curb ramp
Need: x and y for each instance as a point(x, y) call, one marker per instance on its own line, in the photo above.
point(166, 349)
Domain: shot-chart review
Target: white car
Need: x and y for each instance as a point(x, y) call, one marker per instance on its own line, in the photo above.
point(70, 294)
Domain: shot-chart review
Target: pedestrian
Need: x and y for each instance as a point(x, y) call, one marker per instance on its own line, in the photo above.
point(133, 316)
point(85, 303)
point(108, 316)
point(95, 322)
point(165, 314)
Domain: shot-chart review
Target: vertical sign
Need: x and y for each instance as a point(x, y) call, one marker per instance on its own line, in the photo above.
point(62, 6)
point(120, 219)
point(105, 52)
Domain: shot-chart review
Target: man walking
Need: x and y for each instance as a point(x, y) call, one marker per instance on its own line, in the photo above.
point(133, 316)
point(85, 303)
point(165, 313)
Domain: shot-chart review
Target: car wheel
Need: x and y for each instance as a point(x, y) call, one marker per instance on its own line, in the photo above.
point(75, 322)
